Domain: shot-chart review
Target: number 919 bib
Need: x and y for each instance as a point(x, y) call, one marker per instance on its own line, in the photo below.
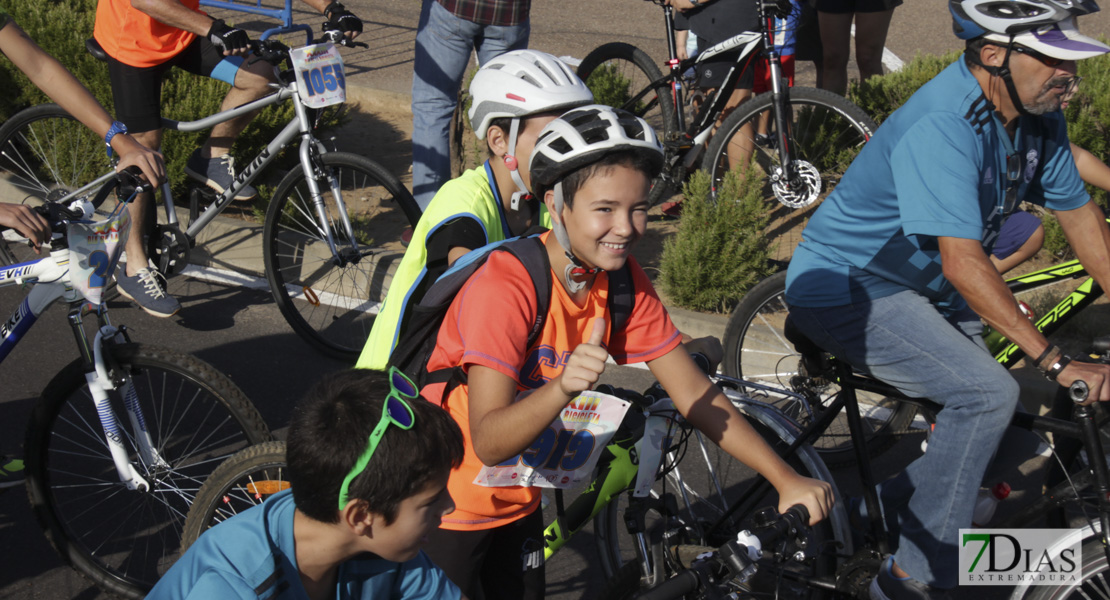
point(320, 76)
point(567, 451)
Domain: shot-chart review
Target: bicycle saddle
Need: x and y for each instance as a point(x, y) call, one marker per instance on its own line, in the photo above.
point(96, 50)
point(814, 360)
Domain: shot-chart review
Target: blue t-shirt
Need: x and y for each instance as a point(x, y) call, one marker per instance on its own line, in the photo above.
point(941, 165)
point(252, 555)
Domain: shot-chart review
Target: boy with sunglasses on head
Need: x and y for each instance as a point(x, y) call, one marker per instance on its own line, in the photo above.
point(368, 461)
point(592, 167)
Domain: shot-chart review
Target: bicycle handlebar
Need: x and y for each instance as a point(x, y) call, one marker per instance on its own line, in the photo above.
point(129, 181)
point(738, 557)
point(275, 52)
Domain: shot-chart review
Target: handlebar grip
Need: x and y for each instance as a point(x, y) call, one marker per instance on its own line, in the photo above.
point(800, 511)
point(1078, 391)
point(702, 361)
point(676, 587)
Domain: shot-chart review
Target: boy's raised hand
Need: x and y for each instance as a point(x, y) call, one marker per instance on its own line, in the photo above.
point(586, 363)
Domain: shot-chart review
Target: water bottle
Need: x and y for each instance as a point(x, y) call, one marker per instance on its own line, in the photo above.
point(987, 503)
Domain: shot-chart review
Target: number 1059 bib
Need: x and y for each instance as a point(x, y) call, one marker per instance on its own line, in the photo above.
point(567, 451)
point(320, 76)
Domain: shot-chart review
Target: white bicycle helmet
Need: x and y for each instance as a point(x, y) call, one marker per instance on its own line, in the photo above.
point(521, 83)
point(1003, 18)
point(579, 138)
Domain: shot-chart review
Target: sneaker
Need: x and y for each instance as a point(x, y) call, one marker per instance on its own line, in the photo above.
point(887, 586)
point(11, 472)
point(148, 290)
point(217, 173)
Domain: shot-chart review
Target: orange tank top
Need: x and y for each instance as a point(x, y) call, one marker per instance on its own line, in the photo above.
point(134, 38)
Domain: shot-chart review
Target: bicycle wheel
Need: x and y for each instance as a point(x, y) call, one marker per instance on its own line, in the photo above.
point(705, 482)
point(245, 480)
point(756, 349)
point(330, 299)
point(825, 133)
point(1095, 582)
point(122, 539)
point(618, 73)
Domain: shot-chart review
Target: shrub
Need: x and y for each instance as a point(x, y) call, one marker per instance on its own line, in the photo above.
point(881, 96)
point(719, 251)
point(61, 27)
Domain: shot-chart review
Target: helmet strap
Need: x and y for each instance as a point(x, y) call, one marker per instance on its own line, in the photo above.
point(1003, 73)
point(575, 268)
point(514, 171)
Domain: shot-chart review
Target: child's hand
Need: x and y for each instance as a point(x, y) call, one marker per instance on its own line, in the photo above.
point(816, 495)
point(586, 364)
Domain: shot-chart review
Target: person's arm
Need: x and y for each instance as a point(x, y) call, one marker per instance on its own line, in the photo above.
point(52, 78)
point(708, 409)
point(1091, 169)
point(502, 427)
point(974, 276)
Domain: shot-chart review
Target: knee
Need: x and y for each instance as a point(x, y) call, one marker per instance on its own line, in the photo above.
point(254, 78)
point(1000, 396)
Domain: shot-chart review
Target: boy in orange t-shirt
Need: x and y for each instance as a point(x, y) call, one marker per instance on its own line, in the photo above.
point(601, 161)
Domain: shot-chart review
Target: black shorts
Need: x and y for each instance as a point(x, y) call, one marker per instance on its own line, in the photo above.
point(503, 563)
point(856, 6)
point(137, 91)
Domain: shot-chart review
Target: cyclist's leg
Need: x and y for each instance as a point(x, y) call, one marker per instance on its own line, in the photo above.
point(443, 46)
point(871, 30)
point(137, 95)
point(903, 340)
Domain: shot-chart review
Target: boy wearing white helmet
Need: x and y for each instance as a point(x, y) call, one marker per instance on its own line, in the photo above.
point(894, 274)
point(593, 167)
point(514, 96)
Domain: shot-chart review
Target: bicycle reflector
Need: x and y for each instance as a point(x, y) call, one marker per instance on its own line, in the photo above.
point(395, 411)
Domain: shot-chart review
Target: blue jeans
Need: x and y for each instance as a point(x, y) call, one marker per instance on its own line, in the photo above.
point(443, 45)
point(903, 340)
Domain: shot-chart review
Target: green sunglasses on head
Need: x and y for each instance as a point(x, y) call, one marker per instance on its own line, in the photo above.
point(395, 411)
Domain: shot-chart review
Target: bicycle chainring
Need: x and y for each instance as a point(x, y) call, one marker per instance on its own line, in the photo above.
point(853, 578)
point(169, 248)
point(801, 190)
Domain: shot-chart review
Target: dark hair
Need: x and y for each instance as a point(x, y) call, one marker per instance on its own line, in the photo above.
point(972, 49)
point(330, 429)
point(578, 178)
point(502, 123)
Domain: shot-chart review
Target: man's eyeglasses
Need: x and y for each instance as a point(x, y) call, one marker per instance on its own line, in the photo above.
point(1046, 60)
point(395, 411)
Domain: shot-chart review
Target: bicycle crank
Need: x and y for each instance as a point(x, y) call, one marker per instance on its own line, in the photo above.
point(169, 248)
point(803, 189)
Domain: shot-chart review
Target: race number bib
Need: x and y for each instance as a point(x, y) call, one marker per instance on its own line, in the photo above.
point(320, 76)
point(567, 451)
point(658, 428)
point(94, 251)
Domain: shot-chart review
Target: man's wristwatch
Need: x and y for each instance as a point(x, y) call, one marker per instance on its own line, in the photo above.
point(116, 127)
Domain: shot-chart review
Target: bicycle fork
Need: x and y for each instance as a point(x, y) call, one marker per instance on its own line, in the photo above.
point(312, 171)
point(100, 381)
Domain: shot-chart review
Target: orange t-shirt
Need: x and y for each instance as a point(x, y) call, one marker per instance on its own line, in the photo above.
point(487, 325)
point(134, 38)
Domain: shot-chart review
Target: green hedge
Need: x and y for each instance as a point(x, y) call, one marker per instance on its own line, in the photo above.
point(61, 28)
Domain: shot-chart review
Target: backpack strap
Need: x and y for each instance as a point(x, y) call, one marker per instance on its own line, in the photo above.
point(622, 298)
point(531, 253)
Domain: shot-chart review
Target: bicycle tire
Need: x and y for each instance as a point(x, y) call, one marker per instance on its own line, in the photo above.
point(45, 154)
point(195, 416)
point(331, 302)
point(756, 349)
point(705, 465)
point(826, 133)
point(615, 72)
point(235, 486)
point(1094, 584)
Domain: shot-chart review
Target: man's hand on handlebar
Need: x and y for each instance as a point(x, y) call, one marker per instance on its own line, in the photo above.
point(232, 40)
point(1095, 375)
point(341, 19)
point(27, 222)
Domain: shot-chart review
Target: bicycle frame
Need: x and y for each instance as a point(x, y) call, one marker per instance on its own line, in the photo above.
point(51, 278)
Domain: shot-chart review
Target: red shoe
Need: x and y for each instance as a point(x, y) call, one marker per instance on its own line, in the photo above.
point(672, 209)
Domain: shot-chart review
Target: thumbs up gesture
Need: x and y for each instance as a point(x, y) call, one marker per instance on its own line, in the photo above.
point(586, 363)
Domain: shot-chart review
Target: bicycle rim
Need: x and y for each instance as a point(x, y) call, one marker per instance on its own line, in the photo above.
point(756, 349)
point(122, 539)
point(329, 299)
point(704, 484)
point(826, 132)
point(1095, 582)
point(242, 482)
